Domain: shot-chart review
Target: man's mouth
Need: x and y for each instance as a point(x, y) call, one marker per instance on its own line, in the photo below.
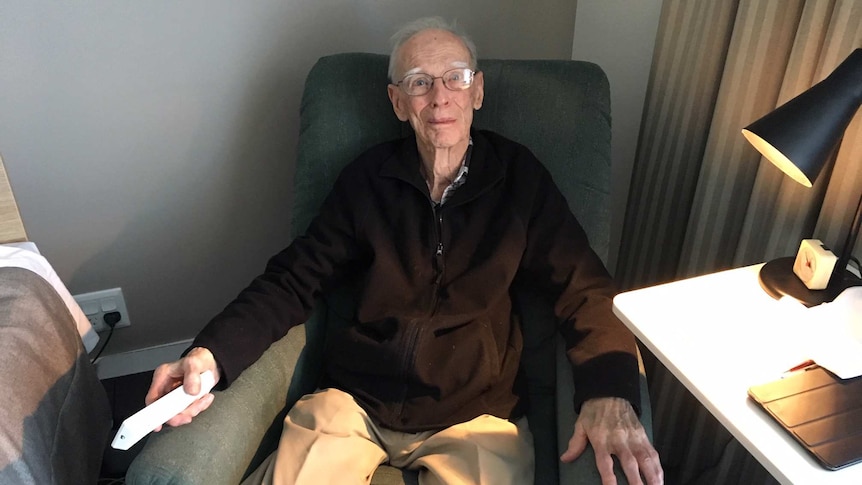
point(441, 121)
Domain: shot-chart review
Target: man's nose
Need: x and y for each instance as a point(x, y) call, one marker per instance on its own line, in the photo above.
point(439, 92)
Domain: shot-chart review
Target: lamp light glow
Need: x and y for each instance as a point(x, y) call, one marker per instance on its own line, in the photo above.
point(777, 158)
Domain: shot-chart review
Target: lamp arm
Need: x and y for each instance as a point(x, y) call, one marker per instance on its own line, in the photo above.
point(849, 243)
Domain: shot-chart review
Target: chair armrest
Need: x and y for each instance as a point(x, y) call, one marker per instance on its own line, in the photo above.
point(221, 443)
point(583, 470)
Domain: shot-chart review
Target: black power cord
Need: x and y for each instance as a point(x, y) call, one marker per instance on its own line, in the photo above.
point(111, 319)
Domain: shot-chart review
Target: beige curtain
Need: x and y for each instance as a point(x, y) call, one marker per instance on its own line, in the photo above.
point(701, 197)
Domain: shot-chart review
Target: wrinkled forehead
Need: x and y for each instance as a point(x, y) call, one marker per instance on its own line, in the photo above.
point(432, 50)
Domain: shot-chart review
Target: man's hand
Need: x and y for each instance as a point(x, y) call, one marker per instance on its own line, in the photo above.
point(185, 372)
point(612, 427)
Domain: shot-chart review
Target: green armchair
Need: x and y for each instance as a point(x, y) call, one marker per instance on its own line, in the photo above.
point(561, 110)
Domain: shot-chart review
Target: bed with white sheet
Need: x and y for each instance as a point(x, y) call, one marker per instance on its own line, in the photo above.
point(54, 413)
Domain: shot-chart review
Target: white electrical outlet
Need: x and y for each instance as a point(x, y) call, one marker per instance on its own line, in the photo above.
point(98, 303)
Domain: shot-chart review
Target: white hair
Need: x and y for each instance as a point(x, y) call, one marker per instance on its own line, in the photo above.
point(427, 23)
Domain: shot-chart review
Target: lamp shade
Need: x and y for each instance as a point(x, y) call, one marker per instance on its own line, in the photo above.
point(800, 135)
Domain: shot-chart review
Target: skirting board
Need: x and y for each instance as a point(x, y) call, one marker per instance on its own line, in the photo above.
point(139, 360)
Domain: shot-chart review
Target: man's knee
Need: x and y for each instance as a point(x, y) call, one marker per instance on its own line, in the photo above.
point(328, 410)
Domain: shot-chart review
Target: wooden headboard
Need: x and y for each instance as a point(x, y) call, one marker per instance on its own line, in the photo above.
point(11, 226)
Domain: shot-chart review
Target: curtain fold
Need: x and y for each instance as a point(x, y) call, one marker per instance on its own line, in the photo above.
point(702, 199)
point(691, 46)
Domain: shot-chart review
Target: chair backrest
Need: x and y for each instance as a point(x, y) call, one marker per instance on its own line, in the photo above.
point(558, 109)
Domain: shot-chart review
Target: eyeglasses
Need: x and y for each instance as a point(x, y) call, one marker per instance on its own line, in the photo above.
point(420, 83)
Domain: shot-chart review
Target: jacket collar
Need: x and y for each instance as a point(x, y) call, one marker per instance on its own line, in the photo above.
point(486, 169)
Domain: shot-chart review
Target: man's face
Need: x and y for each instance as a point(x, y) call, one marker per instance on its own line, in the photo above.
point(441, 118)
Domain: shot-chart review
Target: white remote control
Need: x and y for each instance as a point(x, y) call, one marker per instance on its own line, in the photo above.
point(138, 425)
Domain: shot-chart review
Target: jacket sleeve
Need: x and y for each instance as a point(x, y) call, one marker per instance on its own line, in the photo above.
point(558, 257)
point(284, 295)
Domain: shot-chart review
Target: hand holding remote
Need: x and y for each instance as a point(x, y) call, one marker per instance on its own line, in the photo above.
point(185, 371)
point(157, 413)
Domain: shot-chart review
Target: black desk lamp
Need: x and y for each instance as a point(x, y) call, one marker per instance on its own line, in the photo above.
point(799, 137)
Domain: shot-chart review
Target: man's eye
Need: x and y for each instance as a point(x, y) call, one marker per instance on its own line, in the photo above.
point(455, 76)
point(419, 83)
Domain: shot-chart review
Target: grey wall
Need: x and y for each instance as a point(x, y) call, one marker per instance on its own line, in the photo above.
point(150, 144)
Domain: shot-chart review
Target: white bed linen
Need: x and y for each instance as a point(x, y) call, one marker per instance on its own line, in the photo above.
point(26, 255)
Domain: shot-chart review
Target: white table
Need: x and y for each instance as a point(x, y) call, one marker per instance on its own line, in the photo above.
point(720, 334)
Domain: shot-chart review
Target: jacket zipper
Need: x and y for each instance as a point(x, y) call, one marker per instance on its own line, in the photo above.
point(413, 335)
point(439, 261)
point(407, 363)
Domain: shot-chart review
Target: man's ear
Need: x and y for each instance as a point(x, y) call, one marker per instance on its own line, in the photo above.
point(478, 89)
point(397, 100)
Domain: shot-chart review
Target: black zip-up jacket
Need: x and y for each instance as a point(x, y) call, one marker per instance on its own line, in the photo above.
point(433, 342)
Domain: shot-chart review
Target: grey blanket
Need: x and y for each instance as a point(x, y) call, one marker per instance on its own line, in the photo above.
point(54, 413)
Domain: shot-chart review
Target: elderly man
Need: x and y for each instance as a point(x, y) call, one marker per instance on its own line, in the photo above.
point(437, 228)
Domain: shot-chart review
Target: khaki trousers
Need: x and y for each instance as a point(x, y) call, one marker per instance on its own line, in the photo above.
point(329, 439)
